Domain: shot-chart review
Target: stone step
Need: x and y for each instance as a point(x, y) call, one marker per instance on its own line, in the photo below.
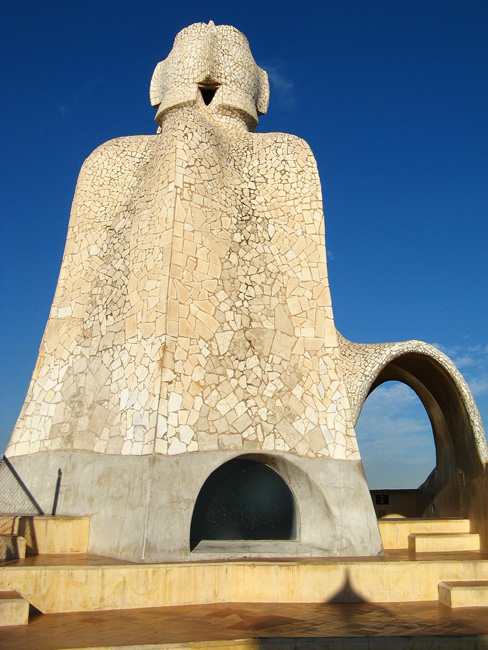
point(464, 593)
point(12, 547)
point(14, 609)
point(243, 549)
point(441, 542)
point(394, 532)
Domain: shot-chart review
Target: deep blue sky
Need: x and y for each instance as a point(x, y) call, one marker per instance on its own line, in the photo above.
point(392, 96)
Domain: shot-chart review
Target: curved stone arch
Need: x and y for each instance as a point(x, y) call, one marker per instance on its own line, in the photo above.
point(461, 450)
point(366, 366)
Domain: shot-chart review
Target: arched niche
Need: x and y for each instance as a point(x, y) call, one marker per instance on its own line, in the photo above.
point(244, 499)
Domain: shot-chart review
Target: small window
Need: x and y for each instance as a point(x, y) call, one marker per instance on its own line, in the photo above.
point(208, 91)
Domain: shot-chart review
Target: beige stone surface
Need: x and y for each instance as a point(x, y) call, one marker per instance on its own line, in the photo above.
point(57, 588)
point(14, 610)
point(193, 308)
point(395, 532)
point(440, 542)
point(12, 547)
point(193, 312)
point(47, 534)
point(467, 593)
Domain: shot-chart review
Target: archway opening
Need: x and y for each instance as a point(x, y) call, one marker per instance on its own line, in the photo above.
point(244, 500)
point(444, 493)
point(208, 88)
point(395, 438)
point(398, 449)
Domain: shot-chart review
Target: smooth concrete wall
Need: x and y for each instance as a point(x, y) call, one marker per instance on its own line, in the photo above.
point(478, 510)
point(141, 507)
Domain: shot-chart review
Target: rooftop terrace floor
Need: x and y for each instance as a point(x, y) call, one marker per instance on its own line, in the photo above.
point(250, 626)
point(296, 625)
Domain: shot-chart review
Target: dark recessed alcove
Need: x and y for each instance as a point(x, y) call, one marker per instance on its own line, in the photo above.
point(244, 500)
point(208, 93)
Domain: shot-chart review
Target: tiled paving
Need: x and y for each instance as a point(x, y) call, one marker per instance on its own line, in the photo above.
point(242, 621)
point(153, 628)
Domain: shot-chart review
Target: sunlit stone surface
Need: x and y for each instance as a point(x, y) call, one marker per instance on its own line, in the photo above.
point(192, 323)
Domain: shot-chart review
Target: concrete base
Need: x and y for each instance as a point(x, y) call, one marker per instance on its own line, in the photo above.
point(395, 532)
point(242, 549)
point(14, 610)
point(440, 542)
point(12, 547)
point(46, 534)
point(66, 587)
point(141, 508)
point(464, 593)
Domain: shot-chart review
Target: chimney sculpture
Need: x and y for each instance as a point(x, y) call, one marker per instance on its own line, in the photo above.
point(191, 384)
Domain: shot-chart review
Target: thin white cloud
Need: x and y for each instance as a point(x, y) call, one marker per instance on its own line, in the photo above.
point(464, 361)
point(395, 438)
point(472, 361)
point(282, 88)
point(456, 350)
point(478, 385)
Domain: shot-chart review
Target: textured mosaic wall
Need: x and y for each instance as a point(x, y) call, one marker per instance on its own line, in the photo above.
point(193, 310)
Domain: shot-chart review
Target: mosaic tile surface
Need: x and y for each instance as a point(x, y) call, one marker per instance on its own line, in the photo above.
point(193, 309)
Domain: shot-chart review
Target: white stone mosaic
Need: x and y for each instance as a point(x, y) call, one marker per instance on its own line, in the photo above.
point(193, 309)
